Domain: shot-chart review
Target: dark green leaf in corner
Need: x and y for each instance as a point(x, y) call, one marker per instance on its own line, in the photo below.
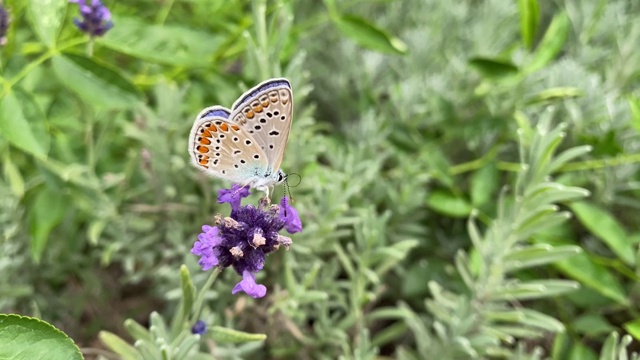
point(25, 338)
point(96, 83)
point(15, 128)
point(493, 68)
point(369, 36)
point(529, 19)
point(46, 17)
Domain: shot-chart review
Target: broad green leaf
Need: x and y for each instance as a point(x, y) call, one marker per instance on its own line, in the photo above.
point(483, 185)
point(529, 19)
point(47, 212)
point(581, 352)
point(368, 35)
point(634, 105)
point(606, 227)
point(15, 128)
point(26, 338)
point(448, 204)
point(165, 44)
point(633, 327)
point(96, 83)
point(493, 68)
point(46, 17)
point(592, 325)
point(554, 94)
point(224, 335)
point(119, 346)
point(36, 117)
point(552, 42)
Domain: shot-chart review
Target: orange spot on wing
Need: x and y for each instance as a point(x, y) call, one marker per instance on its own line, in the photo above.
point(258, 108)
point(212, 128)
point(202, 149)
point(206, 133)
point(235, 127)
point(204, 161)
point(224, 127)
point(205, 141)
point(250, 114)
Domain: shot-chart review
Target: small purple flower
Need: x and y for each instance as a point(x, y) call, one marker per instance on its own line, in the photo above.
point(243, 240)
point(4, 24)
point(248, 285)
point(96, 18)
point(290, 217)
point(200, 327)
point(233, 196)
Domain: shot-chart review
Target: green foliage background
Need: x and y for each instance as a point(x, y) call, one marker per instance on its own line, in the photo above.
point(443, 148)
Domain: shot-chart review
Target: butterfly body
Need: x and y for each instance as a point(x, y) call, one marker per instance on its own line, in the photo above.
point(245, 144)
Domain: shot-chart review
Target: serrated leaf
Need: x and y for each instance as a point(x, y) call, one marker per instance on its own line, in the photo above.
point(165, 44)
point(552, 42)
point(96, 83)
point(46, 17)
point(26, 338)
point(529, 19)
point(15, 128)
point(368, 35)
point(493, 68)
point(448, 204)
point(224, 335)
point(119, 346)
point(48, 210)
point(607, 228)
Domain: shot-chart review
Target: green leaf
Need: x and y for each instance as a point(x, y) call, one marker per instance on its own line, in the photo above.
point(165, 44)
point(119, 346)
point(483, 185)
point(552, 42)
point(606, 227)
point(493, 68)
point(26, 338)
point(368, 35)
point(15, 128)
point(536, 255)
point(224, 335)
point(634, 105)
point(96, 83)
point(46, 17)
point(554, 94)
point(633, 328)
point(13, 176)
point(448, 204)
point(592, 325)
point(581, 352)
point(47, 212)
point(529, 19)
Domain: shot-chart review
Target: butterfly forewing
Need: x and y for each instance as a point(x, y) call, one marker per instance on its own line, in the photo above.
point(224, 149)
point(265, 113)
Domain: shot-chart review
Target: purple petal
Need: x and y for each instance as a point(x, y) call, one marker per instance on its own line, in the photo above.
point(233, 196)
point(248, 285)
point(290, 217)
point(205, 247)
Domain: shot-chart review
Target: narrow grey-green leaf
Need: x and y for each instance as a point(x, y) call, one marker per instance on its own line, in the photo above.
point(493, 68)
point(552, 42)
point(96, 83)
point(554, 94)
point(165, 44)
point(536, 255)
point(483, 184)
point(368, 35)
point(449, 204)
point(26, 338)
point(529, 19)
point(224, 335)
point(119, 346)
point(46, 17)
point(15, 128)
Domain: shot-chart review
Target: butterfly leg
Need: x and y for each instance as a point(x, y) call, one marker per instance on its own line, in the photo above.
point(264, 189)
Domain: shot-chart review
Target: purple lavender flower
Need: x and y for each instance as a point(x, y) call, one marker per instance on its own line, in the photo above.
point(96, 18)
point(243, 240)
point(290, 217)
point(4, 24)
point(233, 196)
point(200, 327)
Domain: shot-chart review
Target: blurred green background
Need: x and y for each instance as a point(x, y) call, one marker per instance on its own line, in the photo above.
point(439, 220)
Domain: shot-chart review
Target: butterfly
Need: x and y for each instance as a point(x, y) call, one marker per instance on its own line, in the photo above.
point(246, 144)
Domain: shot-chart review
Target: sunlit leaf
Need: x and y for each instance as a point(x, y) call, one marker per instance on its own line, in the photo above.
point(368, 35)
point(26, 338)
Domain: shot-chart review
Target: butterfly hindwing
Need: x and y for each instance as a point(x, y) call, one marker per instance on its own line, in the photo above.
point(265, 112)
point(224, 149)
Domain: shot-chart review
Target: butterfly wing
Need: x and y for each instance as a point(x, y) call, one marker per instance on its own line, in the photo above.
point(224, 149)
point(265, 112)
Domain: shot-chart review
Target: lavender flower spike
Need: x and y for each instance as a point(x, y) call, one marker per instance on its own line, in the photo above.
point(248, 285)
point(4, 24)
point(96, 18)
point(200, 327)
